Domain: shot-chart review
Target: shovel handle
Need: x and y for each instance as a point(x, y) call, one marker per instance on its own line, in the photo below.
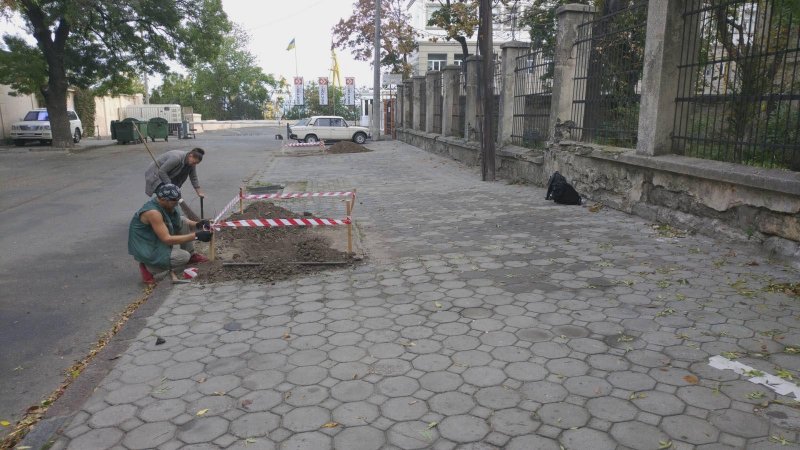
point(201, 209)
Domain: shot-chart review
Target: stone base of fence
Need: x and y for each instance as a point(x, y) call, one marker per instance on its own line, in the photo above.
point(742, 203)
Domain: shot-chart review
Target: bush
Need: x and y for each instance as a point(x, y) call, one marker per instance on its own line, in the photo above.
point(85, 108)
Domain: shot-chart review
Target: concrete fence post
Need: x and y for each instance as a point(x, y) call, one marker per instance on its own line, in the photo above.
point(510, 51)
point(569, 17)
point(408, 104)
point(430, 91)
point(471, 110)
point(419, 84)
point(450, 91)
point(662, 55)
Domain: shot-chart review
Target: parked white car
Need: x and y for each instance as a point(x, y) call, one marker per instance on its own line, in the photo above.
point(36, 127)
point(328, 128)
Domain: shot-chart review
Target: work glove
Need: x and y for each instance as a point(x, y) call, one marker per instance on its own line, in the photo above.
point(204, 236)
point(203, 225)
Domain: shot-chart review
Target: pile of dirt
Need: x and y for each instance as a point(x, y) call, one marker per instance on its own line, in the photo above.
point(269, 254)
point(347, 147)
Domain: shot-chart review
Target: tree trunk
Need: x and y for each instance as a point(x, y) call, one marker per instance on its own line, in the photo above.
point(486, 86)
point(52, 45)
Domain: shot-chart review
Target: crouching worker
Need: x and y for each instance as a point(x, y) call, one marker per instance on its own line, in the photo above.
point(158, 228)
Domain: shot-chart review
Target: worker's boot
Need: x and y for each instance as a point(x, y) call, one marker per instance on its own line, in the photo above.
point(147, 277)
point(197, 258)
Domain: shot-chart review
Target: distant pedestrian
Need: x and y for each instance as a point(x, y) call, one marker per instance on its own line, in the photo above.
point(156, 230)
point(174, 167)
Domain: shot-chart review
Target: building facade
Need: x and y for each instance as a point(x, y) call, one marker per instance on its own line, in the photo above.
point(435, 51)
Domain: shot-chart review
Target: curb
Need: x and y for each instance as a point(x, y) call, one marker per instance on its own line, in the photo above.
point(44, 433)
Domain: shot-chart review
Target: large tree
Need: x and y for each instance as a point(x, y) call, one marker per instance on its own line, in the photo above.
point(398, 37)
point(229, 87)
point(459, 19)
point(106, 44)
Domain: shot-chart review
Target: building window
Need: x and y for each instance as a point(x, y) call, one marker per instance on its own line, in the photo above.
point(428, 13)
point(437, 61)
point(458, 59)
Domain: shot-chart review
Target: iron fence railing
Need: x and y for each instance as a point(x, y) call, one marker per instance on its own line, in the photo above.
point(533, 87)
point(608, 73)
point(437, 103)
point(739, 83)
point(460, 106)
point(423, 101)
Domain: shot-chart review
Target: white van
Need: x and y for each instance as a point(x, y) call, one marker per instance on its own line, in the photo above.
point(36, 127)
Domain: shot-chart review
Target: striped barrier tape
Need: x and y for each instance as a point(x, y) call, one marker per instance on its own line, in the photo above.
point(297, 195)
point(273, 223)
point(225, 210)
point(306, 144)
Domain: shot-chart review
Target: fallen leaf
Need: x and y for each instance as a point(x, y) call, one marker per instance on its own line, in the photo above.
point(246, 403)
point(331, 425)
point(5, 423)
point(432, 424)
point(438, 305)
point(202, 380)
point(23, 447)
point(218, 393)
point(596, 207)
point(286, 336)
point(413, 402)
point(691, 379)
point(202, 412)
point(664, 445)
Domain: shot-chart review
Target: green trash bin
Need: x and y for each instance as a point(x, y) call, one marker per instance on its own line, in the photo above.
point(142, 135)
point(125, 131)
point(114, 129)
point(158, 128)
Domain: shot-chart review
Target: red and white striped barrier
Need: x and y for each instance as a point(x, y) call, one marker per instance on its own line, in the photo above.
point(225, 210)
point(306, 144)
point(273, 223)
point(297, 195)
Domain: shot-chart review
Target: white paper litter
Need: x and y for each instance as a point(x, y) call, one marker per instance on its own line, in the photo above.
point(777, 384)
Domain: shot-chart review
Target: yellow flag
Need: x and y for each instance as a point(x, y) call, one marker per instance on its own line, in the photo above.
point(337, 78)
point(291, 45)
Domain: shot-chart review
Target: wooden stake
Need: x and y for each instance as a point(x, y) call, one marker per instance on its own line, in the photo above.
point(350, 227)
point(212, 250)
point(241, 200)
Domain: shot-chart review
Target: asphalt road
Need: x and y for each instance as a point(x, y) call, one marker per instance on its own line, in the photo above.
point(65, 272)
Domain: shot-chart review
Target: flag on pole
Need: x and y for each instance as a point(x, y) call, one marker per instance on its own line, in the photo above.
point(337, 77)
point(291, 45)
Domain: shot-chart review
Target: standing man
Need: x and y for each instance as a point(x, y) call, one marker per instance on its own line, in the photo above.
point(155, 231)
point(174, 167)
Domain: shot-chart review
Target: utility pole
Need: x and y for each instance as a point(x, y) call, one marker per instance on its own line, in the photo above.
point(376, 76)
point(486, 90)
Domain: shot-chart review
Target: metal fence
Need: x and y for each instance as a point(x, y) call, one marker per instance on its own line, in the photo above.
point(460, 108)
point(533, 87)
point(608, 73)
point(497, 86)
point(739, 83)
point(437, 103)
point(423, 100)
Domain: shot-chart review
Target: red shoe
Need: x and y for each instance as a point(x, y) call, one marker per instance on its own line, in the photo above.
point(147, 277)
point(197, 258)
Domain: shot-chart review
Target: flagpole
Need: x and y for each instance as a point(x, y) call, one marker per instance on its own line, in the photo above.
point(295, 61)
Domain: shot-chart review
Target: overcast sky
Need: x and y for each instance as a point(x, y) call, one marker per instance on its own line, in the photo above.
point(273, 23)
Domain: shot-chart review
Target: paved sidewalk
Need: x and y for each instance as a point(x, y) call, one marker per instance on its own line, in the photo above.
point(484, 318)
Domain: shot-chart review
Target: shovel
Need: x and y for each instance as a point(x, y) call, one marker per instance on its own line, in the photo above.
point(184, 207)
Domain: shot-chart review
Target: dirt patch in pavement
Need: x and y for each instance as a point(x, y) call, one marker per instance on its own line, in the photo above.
point(271, 254)
point(347, 147)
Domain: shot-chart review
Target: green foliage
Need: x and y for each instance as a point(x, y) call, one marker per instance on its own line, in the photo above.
point(313, 108)
point(105, 45)
point(398, 37)
point(231, 86)
point(85, 108)
point(540, 18)
point(24, 67)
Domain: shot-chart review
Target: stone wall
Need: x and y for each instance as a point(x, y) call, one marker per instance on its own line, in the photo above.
point(719, 199)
